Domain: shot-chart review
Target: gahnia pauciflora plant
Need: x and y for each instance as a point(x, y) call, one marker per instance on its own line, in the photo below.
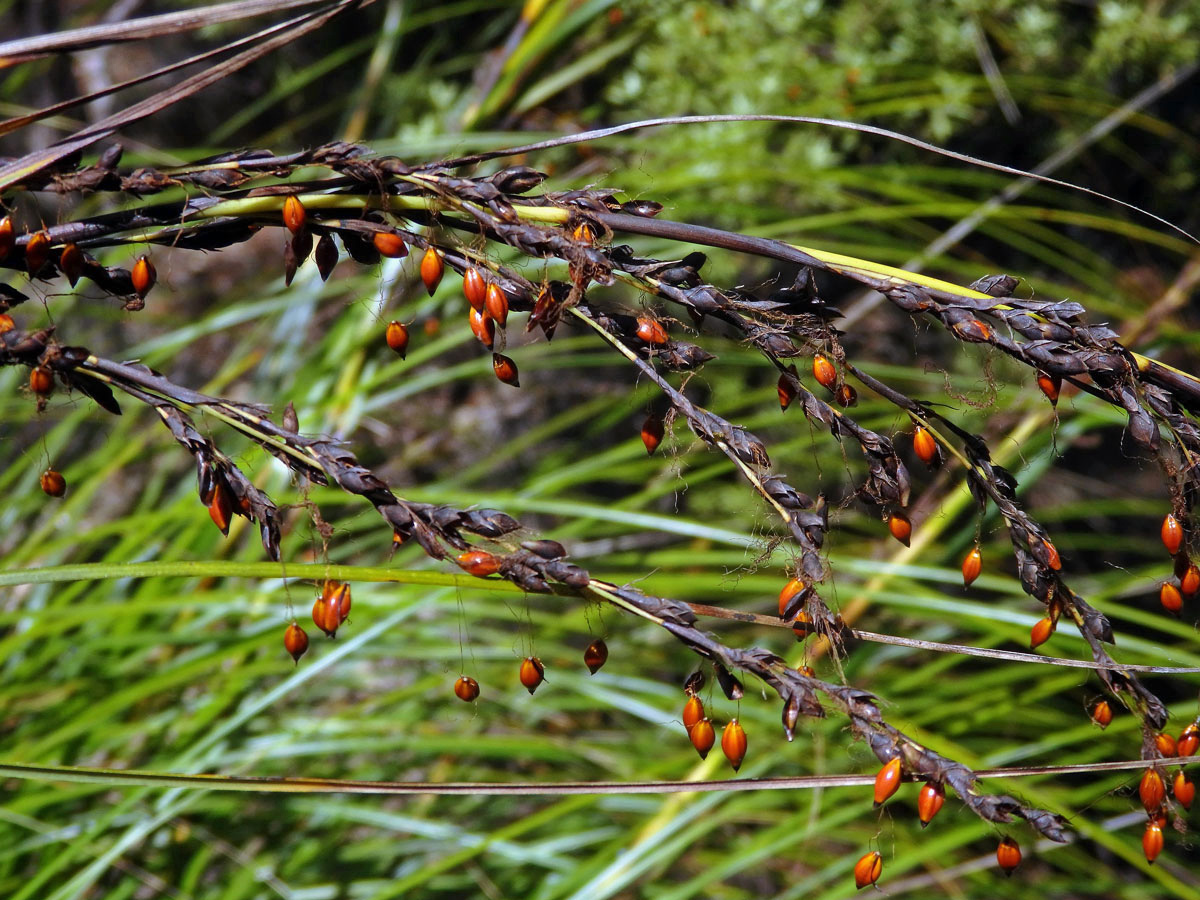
point(450, 217)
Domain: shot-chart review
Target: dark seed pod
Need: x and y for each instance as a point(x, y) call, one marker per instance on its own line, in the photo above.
point(733, 743)
point(786, 389)
point(220, 509)
point(466, 689)
point(887, 780)
point(325, 256)
point(397, 337)
point(729, 684)
point(694, 683)
point(703, 736)
point(71, 261)
point(545, 548)
point(295, 641)
point(653, 430)
point(1008, 855)
point(532, 674)
point(389, 244)
point(432, 269)
point(479, 563)
point(37, 251)
point(505, 369)
point(294, 214)
point(596, 655)
point(143, 276)
point(651, 331)
point(495, 301)
point(845, 395)
point(53, 483)
point(868, 869)
point(474, 288)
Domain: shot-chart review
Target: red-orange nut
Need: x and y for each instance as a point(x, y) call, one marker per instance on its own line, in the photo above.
point(868, 869)
point(930, 801)
point(397, 337)
point(596, 655)
point(653, 430)
point(294, 214)
point(41, 381)
point(1102, 714)
point(220, 508)
point(786, 388)
point(887, 780)
point(1172, 534)
point(925, 446)
point(793, 589)
point(824, 372)
point(651, 331)
point(326, 616)
point(900, 527)
point(1170, 598)
point(1152, 841)
point(483, 327)
point(1040, 632)
point(702, 736)
point(693, 712)
point(71, 261)
point(479, 563)
point(1184, 789)
point(1165, 744)
point(1190, 582)
point(6, 322)
point(1008, 855)
point(144, 276)
point(532, 674)
point(845, 395)
point(733, 743)
point(1053, 560)
point(53, 483)
point(37, 251)
point(1189, 740)
point(474, 288)
point(505, 369)
point(495, 301)
point(389, 244)
point(1050, 385)
point(972, 565)
point(295, 641)
point(1151, 790)
point(8, 236)
point(466, 689)
point(432, 269)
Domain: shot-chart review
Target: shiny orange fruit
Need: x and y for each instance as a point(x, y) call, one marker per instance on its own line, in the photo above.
point(693, 712)
point(295, 641)
point(824, 372)
point(584, 233)
point(1102, 714)
point(433, 267)
point(1184, 789)
point(495, 301)
point(703, 736)
point(1189, 740)
point(294, 214)
point(868, 869)
point(900, 526)
point(1190, 582)
point(53, 483)
point(1050, 385)
point(1151, 790)
point(733, 743)
point(474, 288)
point(533, 673)
point(6, 323)
point(41, 381)
point(653, 430)
point(972, 565)
point(144, 276)
point(397, 337)
point(1152, 841)
point(325, 616)
point(1040, 633)
point(71, 262)
point(596, 655)
point(37, 251)
point(220, 508)
point(1172, 534)
point(925, 445)
point(505, 369)
point(651, 331)
point(389, 244)
point(793, 589)
point(1008, 855)
point(483, 327)
point(8, 236)
point(1170, 597)
point(786, 390)
point(479, 563)
point(929, 801)
point(1165, 745)
point(887, 780)
point(466, 689)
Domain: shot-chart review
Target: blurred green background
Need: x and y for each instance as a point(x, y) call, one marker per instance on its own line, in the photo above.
point(175, 673)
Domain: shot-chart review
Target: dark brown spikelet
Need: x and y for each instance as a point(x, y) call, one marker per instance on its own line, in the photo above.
point(295, 641)
point(325, 256)
point(596, 655)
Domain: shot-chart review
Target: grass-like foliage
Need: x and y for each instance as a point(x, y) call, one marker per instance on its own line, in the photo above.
point(487, 422)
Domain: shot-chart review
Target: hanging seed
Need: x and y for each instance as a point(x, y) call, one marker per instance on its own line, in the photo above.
point(432, 269)
point(1040, 633)
point(1151, 790)
point(845, 396)
point(693, 712)
point(703, 736)
point(71, 262)
point(729, 684)
point(1172, 534)
point(495, 301)
point(887, 780)
point(220, 508)
point(786, 388)
point(584, 233)
point(694, 683)
point(651, 331)
point(479, 563)
point(37, 251)
point(1101, 713)
point(596, 655)
point(8, 236)
point(1189, 740)
point(389, 244)
point(1008, 855)
point(6, 323)
point(505, 369)
point(53, 483)
point(474, 288)
point(653, 430)
point(295, 641)
point(325, 256)
point(791, 715)
point(824, 372)
point(1152, 841)
point(302, 245)
point(41, 381)
point(1184, 789)
point(802, 625)
point(1189, 583)
point(807, 671)
point(1170, 598)
point(339, 598)
point(483, 327)
point(294, 214)
point(144, 276)
point(791, 598)
point(1049, 385)
point(1165, 745)
point(900, 526)
point(290, 263)
point(972, 565)
point(733, 743)
point(533, 673)
point(397, 337)
point(868, 869)
point(925, 446)
point(466, 689)
point(929, 801)
point(325, 616)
